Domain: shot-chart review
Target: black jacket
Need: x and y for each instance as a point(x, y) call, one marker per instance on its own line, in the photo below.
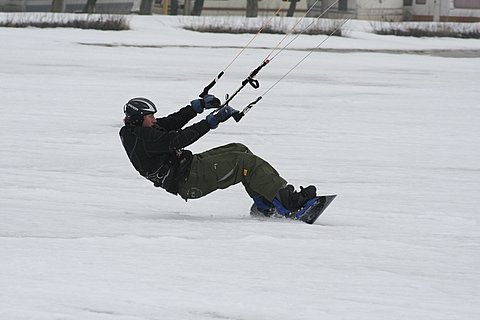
point(157, 152)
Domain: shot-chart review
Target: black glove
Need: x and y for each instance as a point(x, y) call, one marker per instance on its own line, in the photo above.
point(221, 115)
point(208, 102)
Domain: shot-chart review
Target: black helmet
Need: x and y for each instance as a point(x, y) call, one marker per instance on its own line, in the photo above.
point(136, 108)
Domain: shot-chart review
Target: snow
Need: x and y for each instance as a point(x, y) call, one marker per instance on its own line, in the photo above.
point(395, 135)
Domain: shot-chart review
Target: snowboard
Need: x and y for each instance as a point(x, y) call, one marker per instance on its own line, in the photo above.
point(308, 214)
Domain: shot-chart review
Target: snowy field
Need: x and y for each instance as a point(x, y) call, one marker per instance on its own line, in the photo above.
point(395, 135)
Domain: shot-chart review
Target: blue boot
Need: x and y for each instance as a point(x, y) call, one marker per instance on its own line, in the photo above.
point(262, 207)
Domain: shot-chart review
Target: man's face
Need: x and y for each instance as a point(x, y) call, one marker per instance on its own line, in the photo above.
point(149, 120)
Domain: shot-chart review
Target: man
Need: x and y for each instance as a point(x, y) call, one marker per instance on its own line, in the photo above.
point(155, 147)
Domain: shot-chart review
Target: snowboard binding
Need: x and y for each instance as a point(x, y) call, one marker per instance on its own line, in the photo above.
point(308, 213)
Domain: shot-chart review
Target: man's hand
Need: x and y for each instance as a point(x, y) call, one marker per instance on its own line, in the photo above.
point(208, 102)
point(219, 116)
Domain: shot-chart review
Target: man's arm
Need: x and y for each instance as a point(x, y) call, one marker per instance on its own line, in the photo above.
point(177, 120)
point(158, 140)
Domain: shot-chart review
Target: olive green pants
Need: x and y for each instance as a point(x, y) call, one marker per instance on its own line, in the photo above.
point(227, 165)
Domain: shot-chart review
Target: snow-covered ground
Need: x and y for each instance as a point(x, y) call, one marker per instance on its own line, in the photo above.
point(396, 136)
